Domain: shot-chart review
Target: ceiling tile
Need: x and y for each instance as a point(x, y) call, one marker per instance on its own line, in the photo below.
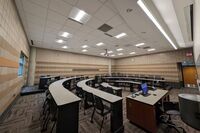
point(69, 30)
point(53, 25)
point(115, 21)
point(61, 7)
point(56, 17)
point(35, 19)
point(104, 14)
point(94, 23)
point(73, 24)
point(110, 5)
point(89, 6)
point(72, 2)
point(43, 3)
point(34, 9)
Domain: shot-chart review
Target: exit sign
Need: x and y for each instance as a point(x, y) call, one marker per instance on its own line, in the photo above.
point(189, 54)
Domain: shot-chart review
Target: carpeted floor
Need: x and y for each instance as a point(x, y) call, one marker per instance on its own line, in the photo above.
point(24, 116)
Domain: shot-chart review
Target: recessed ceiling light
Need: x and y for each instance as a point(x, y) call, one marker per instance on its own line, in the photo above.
point(121, 35)
point(79, 15)
point(132, 53)
point(139, 44)
point(65, 47)
point(100, 44)
point(59, 41)
point(153, 19)
point(84, 46)
point(65, 34)
point(84, 50)
point(112, 55)
point(151, 49)
point(120, 49)
point(120, 53)
point(102, 53)
point(110, 51)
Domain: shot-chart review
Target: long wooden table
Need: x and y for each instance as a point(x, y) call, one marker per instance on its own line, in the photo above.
point(116, 105)
point(141, 110)
point(68, 107)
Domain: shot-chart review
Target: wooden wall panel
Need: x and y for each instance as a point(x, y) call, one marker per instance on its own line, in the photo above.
point(68, 69)
point(12, 42)
point(162, 64)
point(52, 62)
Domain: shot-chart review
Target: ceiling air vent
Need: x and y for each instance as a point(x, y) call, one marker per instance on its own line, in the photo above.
point(105, 28)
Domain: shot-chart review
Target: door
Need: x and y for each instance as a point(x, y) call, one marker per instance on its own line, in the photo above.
point(189, 76)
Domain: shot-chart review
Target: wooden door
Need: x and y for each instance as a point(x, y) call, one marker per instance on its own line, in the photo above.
point(189, 75)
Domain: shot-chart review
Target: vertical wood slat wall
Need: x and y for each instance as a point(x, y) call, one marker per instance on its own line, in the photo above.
point(12, 42)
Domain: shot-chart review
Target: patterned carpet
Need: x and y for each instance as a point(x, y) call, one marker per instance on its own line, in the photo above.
point(24, 117)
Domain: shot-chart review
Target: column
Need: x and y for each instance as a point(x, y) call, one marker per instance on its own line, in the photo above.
point(31, 68)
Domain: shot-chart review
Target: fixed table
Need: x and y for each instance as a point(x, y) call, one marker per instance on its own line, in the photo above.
point(116, 105)
point(117, 82)
point(141, 110)
point(68, 107)
point(153, 80)
point(116, 89)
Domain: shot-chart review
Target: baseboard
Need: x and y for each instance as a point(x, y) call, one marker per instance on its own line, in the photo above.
point(3, 115)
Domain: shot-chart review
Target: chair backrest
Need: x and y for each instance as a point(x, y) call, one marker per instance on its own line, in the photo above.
point(57, 78)
point(99, 104)
point(79, 92)
point(109, 90)
point(89, 97)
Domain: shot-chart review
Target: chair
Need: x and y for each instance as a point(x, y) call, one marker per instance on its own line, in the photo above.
point(100, 109)
point(80, 93)
point(109, 90)
point(88, 100)
point(170, 108)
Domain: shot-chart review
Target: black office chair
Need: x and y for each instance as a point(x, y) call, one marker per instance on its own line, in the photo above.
point(170, 108)
point(80, 93)
point(100, 109)
point(109, 90)
point(88, 100)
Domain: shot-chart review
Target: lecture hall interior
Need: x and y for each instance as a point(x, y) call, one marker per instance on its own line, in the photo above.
point(99, 66)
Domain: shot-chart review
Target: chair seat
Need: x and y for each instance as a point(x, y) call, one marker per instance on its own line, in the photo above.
point(173, 112)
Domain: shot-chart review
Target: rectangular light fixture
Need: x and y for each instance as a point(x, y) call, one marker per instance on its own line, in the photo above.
point(112, 55)
point(102, 53)
point(151, 49)
point(100, 44)
point(153, 19)
point(132, 53)
point(60, 41)
point(120, 54)
point(65, 47)
point(139, 44)
point(65, 34)
point(84, 50)
point(79, 15)
point(110, 51)
point(84, 46)
point(121, 35)
point(120, 49)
